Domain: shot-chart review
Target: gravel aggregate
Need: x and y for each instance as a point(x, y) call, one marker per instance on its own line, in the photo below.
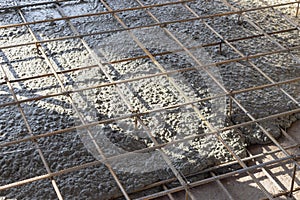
point(62, 151)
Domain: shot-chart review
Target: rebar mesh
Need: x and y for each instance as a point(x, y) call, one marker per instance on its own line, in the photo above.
point(147, 99)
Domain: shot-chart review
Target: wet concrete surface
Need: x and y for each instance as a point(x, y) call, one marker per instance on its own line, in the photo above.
point(76, 148)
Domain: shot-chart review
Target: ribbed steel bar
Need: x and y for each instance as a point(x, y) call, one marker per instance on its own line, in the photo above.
point(212, 128)
point(221, 185)
point(93, 14)
point(289, 159)
point(167, 53)
point(151, 76)
point(122, 96)
point(211, 169)
point(288, 19)
point(107, 121)
point(251, 63)
point(81, 118)
point(170, 196)
point(95, 163)
point(255, 67)
point(282, 193)
point(265, 75)
point(201, 117)
point(292, 98)
point(137, 8)
point(283, 160)
point(30, 132)
point(37, 147)
point(245, 111)
point(260, 29)
point(177, 173)
point(111, 31)
point(15, 7)
point(166, 73)
point(294, 178)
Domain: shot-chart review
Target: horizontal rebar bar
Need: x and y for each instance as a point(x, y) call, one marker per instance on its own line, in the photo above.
point(245, 58)
point(15, 7)
point(164, 73)
point(279, 194)
point(267, 133)
point(161, 54)
point(78, 167)
point(95, 14)
point(35, 137)
point(214, 168)
point(146, 7)
point(222, 176)
point(118, 30)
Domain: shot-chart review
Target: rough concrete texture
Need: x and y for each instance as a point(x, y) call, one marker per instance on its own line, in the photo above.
point(74, 148)
point(242, 187)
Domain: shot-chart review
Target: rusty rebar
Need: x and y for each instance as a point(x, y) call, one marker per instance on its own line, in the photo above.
point(135, 115)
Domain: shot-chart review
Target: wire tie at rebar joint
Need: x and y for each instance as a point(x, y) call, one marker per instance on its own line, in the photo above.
point(34, 140)
point(38, 45)
point(135, 117)
point(247, 57)
point(163, 25)
point(67, 93)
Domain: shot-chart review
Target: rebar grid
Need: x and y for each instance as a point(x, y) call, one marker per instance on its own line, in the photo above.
point(162, 73)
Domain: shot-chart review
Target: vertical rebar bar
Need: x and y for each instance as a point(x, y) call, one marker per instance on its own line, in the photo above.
point(293, 180)
point(186, 196)
point(136, 118)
